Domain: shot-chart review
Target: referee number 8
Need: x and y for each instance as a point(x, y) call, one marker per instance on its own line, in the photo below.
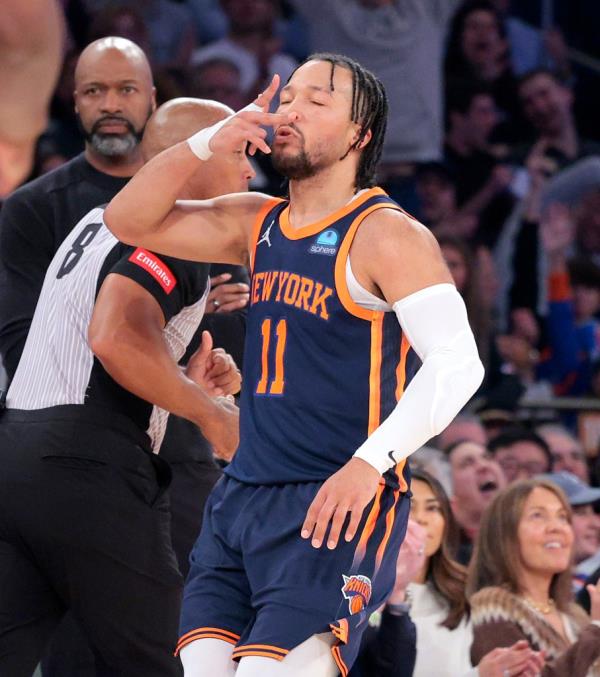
point(77, 248)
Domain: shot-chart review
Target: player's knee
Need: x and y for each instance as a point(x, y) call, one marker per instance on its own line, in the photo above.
point(207, 658)
point(313, 657)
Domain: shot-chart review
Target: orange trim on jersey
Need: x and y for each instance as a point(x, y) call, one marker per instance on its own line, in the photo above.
point(401, 370)
point(389, 523)
point(399, 470)
point(265, 650)
point(340, 264)
point(337, 657)
point(206, 633)
point(257, 225)
point(401, 383)
point(313, 228)
point(256, 652)
point(375, 372)
point(340, 631)
point(369, 527)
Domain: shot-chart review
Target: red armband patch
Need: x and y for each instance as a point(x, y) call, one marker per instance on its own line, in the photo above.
point(159, 270)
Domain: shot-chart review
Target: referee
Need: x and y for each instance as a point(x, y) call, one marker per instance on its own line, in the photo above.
point(84, 519)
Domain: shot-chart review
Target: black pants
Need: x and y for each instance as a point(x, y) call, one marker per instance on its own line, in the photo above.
point(194, 473)
point(85, 527)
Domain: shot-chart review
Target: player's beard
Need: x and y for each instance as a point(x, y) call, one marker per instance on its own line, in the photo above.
point(294, 167)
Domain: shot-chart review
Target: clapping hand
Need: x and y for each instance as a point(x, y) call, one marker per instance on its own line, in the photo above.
point(518, 660)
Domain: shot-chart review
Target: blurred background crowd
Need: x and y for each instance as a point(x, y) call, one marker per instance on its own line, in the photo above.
point(493, 143)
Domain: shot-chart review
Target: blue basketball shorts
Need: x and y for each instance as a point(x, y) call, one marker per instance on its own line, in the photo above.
point(255, 583)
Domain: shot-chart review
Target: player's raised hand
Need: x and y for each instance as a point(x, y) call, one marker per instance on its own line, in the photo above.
point(247, 125)
point(349, 490)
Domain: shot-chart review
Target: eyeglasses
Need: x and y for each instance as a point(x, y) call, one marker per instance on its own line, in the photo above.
point(512, 466)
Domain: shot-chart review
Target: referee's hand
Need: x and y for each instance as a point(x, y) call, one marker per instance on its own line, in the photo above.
point(213, 369)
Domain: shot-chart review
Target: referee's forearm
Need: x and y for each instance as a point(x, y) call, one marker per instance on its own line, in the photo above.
point(149, 371)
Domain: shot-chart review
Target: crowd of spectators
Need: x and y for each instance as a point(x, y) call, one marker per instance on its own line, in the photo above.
point(493, 144)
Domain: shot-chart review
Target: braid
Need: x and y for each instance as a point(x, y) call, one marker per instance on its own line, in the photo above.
point(369, 109)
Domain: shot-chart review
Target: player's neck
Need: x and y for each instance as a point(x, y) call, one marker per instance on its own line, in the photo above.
point(125, 166)
point(319, 196)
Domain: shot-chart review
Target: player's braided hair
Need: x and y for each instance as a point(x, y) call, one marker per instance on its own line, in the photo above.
point(369, 110)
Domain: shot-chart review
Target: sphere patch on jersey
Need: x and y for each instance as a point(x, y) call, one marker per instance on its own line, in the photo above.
point(326, 243)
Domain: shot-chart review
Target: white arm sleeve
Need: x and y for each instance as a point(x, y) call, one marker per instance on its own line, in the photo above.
point(434, 320)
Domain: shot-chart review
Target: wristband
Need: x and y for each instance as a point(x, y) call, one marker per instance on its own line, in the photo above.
point(199, 142)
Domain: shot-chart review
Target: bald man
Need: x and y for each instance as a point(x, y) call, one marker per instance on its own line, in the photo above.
point(85, 520)
point(30, 56)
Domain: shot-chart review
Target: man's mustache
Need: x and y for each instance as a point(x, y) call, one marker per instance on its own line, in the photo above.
point(111, 119)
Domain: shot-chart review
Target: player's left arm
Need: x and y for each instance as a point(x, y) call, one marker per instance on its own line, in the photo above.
point(399, 260)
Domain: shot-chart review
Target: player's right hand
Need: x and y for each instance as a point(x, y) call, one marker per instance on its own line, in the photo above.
point(348, 491)
point(248, 125)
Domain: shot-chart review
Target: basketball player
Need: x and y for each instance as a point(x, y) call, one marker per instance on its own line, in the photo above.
point(348, 295)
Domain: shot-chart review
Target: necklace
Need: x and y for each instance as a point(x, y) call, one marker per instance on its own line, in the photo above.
point(546, 608)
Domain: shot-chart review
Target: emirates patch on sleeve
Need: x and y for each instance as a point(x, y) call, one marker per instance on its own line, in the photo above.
point(153, 265)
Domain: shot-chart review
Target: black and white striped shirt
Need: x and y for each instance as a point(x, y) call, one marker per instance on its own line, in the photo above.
point(57, 366)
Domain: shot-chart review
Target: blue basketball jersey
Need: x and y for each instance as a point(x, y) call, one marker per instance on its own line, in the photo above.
point(320, 371)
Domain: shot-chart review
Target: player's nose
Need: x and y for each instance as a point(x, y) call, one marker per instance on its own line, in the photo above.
point(249, 172)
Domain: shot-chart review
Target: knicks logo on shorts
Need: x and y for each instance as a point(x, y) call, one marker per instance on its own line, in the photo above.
point(357, 590)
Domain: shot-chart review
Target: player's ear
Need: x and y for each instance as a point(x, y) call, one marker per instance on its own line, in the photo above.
point(367, 137)
point(359, 145)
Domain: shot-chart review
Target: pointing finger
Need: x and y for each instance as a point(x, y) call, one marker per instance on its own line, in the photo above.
point(266, 119)
point(264, 98)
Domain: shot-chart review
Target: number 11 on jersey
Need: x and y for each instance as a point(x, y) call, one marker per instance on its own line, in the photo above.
point(277, 384)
